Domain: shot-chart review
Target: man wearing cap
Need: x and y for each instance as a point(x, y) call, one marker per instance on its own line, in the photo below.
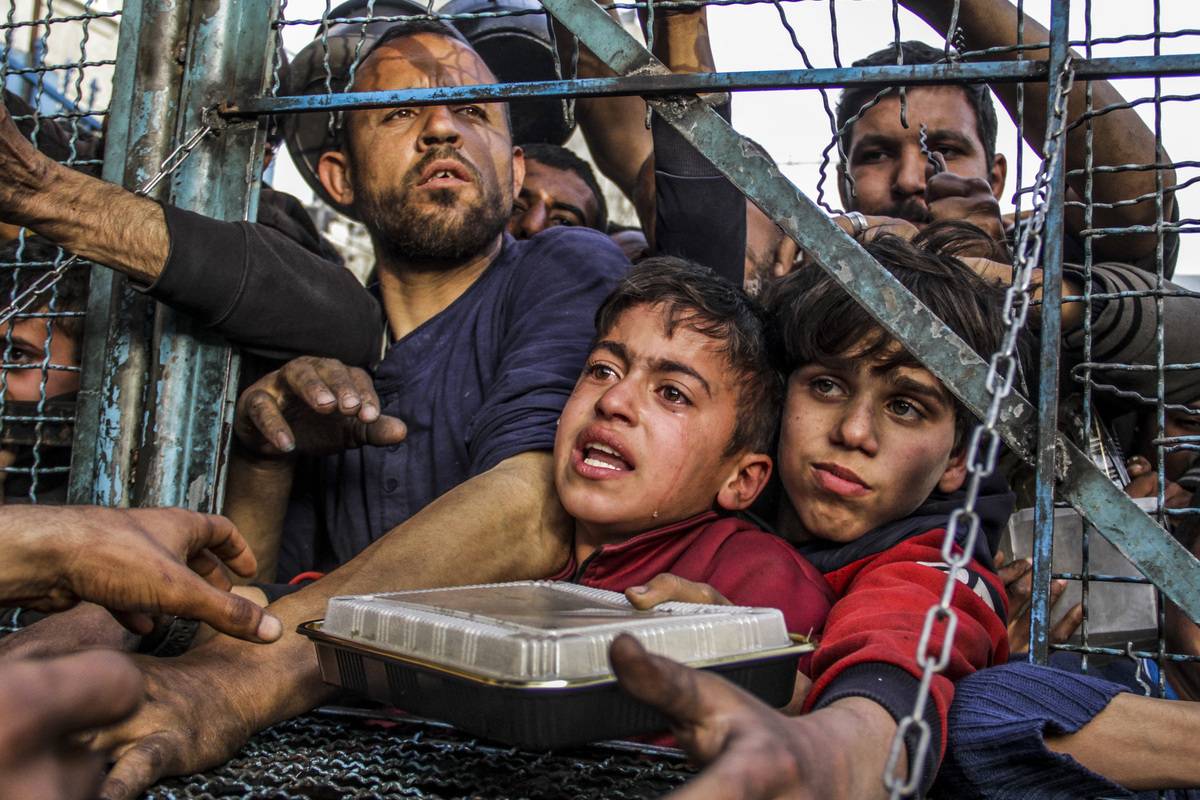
point(486, 337)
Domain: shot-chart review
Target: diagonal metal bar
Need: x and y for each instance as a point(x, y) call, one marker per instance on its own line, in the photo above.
point(1160, 558)
point(657, 84)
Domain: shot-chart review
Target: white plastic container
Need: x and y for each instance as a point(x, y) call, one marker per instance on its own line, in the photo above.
point(527, 663)
point(545, 631)
point(1117, 612)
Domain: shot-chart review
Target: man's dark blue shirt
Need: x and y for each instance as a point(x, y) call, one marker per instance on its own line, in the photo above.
point(482, 381)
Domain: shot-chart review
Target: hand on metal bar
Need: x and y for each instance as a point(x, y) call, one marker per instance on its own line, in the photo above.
point(36, 293)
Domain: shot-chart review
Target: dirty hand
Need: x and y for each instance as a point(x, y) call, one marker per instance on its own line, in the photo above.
point(1018, 581)
point(313, 406)
point(666, 588)
point(134, 562)
point(44, 705)
point(953, 197)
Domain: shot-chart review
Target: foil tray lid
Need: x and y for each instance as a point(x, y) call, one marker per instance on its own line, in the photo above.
point(543, 630)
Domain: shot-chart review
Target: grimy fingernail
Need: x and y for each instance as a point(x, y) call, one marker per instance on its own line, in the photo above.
point(324, 397)
point(269, 629)
point(638, 589)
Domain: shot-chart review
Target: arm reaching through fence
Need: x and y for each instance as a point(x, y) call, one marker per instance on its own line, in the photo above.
point(1118, 137)
point(248, 282)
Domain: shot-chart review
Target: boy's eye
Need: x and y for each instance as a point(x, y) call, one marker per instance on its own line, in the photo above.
point(560, 219)
point(903, 408)
point(825, 387)
point(518, 209)
point(673, 395)
point(600, 371)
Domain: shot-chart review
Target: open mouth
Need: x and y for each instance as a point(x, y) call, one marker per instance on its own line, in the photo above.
point(601, 456)
point(444, 172)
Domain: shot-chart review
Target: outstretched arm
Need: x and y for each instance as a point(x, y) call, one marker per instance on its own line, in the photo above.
point(94, 219)
point(1119, 137)
point(504, 524)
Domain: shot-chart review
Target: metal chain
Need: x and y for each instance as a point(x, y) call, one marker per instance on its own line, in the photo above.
point(33, 294)
point(982, 454)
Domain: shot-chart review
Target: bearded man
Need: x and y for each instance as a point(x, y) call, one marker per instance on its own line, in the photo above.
point(487, 334)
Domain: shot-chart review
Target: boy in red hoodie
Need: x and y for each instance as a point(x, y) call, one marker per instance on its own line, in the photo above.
point(666, 434)
point(872, 461)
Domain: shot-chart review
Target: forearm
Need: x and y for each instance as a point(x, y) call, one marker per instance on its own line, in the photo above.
point(256, 499)
point(863, 732)
point(506, 524)
point(97, 220)
point(1139, 742)
point(1118, 137)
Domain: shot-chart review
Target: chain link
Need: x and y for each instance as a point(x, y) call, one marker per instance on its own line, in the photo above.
point(32, 295)
point(982, 455)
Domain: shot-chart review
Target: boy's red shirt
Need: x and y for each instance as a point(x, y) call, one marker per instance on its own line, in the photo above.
point(745, 564)
point(870, 641)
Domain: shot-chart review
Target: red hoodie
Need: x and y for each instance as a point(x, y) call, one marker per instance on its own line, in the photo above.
point(870, 641)
point(742, 562)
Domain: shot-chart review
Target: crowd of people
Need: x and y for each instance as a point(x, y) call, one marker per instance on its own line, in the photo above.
point(685, 410)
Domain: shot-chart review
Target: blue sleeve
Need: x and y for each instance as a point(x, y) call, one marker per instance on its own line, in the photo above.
point(549, 329)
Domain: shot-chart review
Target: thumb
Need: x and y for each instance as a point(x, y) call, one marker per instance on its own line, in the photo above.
point(383, 431)
point(663, 684)
point(226, 612)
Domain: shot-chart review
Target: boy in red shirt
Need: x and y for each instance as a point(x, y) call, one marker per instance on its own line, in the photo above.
point(872, 461)
point(666, 434)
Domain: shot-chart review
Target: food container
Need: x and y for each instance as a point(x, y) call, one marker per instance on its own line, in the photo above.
point(1117, 612)
point(527, 662)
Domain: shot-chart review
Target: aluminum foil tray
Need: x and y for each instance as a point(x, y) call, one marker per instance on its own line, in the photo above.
point(527, 663)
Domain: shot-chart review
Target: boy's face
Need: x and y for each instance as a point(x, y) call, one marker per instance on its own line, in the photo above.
point(863, 445)
point(29, 349)
point(641, 441)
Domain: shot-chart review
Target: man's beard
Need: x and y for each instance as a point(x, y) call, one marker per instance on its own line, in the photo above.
point(446, 229)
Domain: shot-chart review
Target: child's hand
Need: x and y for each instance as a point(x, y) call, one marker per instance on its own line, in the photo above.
point(666, 588)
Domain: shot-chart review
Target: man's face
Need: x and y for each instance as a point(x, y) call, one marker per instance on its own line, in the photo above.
point(885, 159)
point(641, 442)
point(24, 359)
point(434, 183)
point(551, 197)
point(863, 445)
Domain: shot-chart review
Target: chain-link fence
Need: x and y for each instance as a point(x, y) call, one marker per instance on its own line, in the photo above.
point(1095, 206)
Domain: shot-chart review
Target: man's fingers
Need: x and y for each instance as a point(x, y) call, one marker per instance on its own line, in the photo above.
point(383, 431)
point(47, 699)
point(209, 568)
point(344, 384)
point(220, 537)
point(365, 387)
point(302, 379)
point(191, 597)
point(262, 409)
point(1014, 571)
point(1066, 627)
point(136, 769)
point(685, 696)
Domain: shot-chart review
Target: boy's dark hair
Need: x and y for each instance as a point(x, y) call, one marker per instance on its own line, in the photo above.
point(852, 100)
point(557, 157)
point(21, 265)
point(813, 320)
point(695, 296)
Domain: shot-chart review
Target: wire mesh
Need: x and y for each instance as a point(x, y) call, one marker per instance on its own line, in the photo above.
point(343, 756)
point(56, 61)
point(1126, 206)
